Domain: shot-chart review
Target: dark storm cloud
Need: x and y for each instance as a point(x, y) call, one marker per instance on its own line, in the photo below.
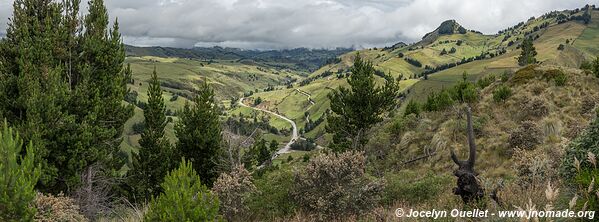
point(307, 23)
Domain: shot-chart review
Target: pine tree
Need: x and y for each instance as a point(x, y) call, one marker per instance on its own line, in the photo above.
point(62, 87)
point(18, 177)
point(199, 134)
point(359, 107)
point(185, 198)
point(527, 56)
point(151, 164)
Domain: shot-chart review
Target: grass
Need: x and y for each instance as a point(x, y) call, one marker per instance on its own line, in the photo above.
point(588, 39)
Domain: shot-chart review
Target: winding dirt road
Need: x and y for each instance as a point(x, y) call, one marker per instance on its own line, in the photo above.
point(294, 134)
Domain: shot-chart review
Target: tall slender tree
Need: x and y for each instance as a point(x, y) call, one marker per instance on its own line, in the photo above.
point(358, 108)
point(200, 134)
point(62, 86)
point(151, 163)
point(527, 56)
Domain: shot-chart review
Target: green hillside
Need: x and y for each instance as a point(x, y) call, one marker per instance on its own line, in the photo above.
point(476, 54)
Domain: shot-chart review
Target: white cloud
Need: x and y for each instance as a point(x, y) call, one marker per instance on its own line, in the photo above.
point(307, 23)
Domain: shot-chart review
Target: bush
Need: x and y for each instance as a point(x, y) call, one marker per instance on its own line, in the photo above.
point(56, 208)
point(304, 145)
point(335, 185)
point(18, 178)
point(465, 92)
point(486, 81)
point(233, 191)
point(412, 108)
point(560, 79)
point(525, 74)
point(526, 136)
point(438, 102)
point(534, 108)
point(306, 158)
point(586, 142)
point(273, 198)
point(502, 93)
point(505, 76)
point(404, 123)
point(184, 198)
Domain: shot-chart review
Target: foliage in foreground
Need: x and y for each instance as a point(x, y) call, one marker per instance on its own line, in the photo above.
point(579, 149)
point(185, 198)
point(18, 177)
point(57, 208)
point(336, 185)
point(233, 191)
point(62, 85)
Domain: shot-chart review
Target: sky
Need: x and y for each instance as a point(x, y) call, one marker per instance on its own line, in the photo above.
point(280, 24)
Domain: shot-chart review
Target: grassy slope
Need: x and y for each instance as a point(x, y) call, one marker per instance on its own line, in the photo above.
point(582, 43)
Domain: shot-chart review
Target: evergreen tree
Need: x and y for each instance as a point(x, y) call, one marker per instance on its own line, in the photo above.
point(274, 145)
point(151, 164)
point(261, 151)
point(359, 107)
point(62, 86)
point(527, 56)
point(18, 177)
point(199, 134)
point(185, 198)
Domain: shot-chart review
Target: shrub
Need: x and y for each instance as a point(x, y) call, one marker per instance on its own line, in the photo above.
point(526, 136)
point(502, 93)
point(505, 76)
point(525, 74)
point(486, 81)
point(534, 108)
point(533, 168)
point(335, 185)
point(465, 92)
point(18, 178)
point(560, 79)
point(273, 198)
point(438, 102)
point(185, 198)
point(233, 191)
point(402, 124)
point(578, 150)
point(588, 105)
point(306, 158)
point(412, 108)
point(56, 208)
point(304, 145)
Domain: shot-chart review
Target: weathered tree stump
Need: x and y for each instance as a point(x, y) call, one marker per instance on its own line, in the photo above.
point(467, 186)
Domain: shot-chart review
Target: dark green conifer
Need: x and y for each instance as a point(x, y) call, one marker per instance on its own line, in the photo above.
point(527, 56)
point(152, 162)
point(359, 107)
point(199, 134)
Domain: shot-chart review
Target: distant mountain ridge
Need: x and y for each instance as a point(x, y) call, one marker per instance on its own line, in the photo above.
point(302, 59)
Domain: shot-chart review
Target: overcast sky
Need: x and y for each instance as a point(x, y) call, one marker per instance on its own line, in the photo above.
point(274, 24)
